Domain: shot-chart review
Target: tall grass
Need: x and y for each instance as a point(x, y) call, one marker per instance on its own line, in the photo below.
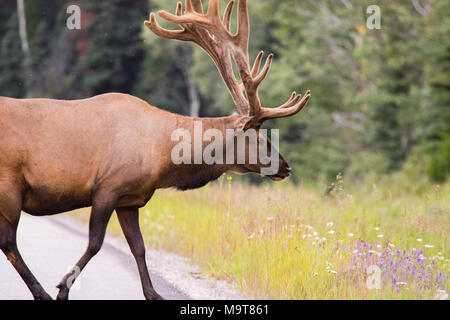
point(287, 242)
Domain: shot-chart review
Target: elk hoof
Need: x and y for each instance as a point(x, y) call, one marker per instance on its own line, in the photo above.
point(43, 296)
point(63, 294)
point(154, 297)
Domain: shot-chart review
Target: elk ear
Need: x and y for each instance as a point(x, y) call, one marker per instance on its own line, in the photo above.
point(244, 123)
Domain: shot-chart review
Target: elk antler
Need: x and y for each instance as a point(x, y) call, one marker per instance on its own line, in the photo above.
point(213, 34)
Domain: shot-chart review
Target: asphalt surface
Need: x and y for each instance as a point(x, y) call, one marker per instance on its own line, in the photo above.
point(52, 245)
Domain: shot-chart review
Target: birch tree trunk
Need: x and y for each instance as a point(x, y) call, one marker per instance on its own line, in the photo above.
point(24, 44)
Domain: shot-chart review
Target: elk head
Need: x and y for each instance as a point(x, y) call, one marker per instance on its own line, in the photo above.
point(212, 33)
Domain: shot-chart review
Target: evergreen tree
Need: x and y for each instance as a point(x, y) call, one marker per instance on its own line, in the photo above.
point(395, 104)
point(12, 82)
point(116, 49)
point(437, 124)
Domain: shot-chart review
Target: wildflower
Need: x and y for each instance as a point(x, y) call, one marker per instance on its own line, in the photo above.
point(331, 232)
point(303, 236)
point(230, 178)
point(376, 228)
point(315, 234)
point(316, 238)
point(401, 283)
point(261, 231)
point(419, 239)
point(324, 239)
point(270, 218)
point(330, 224)
point(378, 246)
point(350, 234)
point(380, 236)
point(428, 246)
point(391, 245)
point(333, 272)
point(251, 236)
point(316, 274)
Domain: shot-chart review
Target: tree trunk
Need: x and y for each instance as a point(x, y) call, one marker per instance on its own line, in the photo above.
point(24, 43)
point(183, 60)
point(194, 98)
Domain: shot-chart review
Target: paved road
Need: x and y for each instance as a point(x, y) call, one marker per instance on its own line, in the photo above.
point(51, 245)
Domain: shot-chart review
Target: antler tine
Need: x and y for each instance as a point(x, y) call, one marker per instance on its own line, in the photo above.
point(243, 23)
point(189, 6)
point(264, 71)
point(283, 111)
point(257, 64)
point(179, 10)
point(213, 9)
point(164, 33)
point(293, 100)
point(198, 6)
point(227, 15)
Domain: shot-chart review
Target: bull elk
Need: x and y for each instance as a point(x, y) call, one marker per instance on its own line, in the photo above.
point(112, 151)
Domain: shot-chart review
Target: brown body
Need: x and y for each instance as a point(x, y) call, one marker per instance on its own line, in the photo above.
point(61, 153)
point(113, 151)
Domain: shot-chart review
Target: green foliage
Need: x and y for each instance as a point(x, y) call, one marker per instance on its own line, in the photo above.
point(439, 162)
point(11, 68)
point(437, 117)
point(396, 51)
point(113, 61)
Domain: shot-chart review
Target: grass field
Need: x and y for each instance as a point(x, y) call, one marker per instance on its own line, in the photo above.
point(287, 242)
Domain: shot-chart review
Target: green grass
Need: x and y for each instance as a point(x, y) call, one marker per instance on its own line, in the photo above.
point(267, 239)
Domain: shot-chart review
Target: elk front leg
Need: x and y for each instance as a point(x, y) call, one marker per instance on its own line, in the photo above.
point(8, 245)
point(102, 210)
point(129, 221)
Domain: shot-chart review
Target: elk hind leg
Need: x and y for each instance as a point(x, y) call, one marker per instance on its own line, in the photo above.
point(102, 209)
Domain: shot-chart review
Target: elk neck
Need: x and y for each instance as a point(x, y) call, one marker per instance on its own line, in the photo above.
point(193, 176)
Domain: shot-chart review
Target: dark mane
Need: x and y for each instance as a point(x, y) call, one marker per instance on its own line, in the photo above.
point(199, 179)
